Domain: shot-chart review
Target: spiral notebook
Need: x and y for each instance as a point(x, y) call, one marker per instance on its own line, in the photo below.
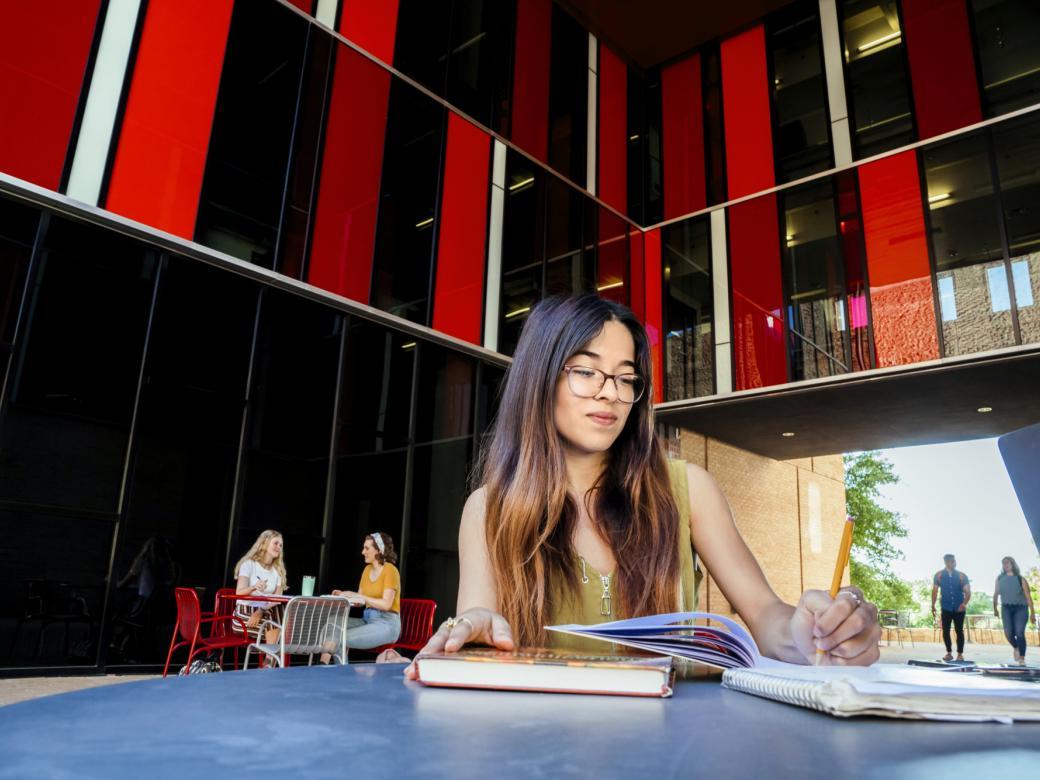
point(890, 690)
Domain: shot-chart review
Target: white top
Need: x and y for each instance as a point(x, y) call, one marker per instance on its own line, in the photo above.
point(256, 572)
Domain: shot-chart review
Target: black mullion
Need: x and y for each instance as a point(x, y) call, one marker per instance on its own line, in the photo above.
point(922, 187)
point(994, 173)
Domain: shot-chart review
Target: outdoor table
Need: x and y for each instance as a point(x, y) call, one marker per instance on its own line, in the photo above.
point(317, 722)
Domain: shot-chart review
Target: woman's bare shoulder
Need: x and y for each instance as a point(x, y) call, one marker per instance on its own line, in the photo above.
point(473, 511)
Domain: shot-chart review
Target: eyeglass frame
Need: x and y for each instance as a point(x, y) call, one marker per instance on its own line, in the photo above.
point(642, 391)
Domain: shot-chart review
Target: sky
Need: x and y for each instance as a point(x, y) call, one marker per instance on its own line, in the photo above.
point(957, 498)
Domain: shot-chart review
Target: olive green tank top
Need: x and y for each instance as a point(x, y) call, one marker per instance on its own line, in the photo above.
point(596, 602)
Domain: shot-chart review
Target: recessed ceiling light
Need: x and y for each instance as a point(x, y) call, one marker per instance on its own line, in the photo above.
point(787, 434)
point(984, 409)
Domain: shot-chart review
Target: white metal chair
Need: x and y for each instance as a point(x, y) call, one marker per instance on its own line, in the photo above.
point(891, 620)
point(312, 624)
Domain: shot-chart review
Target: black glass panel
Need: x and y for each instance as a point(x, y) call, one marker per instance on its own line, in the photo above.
point(570, 239)
point(286, 458)
point(246, 169)
point(444, 402)
point(296, 217)
point(1007, 37)
point(799, 92)
point(55, 568)
point(72, 383)
point(689, 310)
point(1018, 162)
point(421, 48)
point(878, 91)
point(438, 494)
point(182, 474)
point(480, 59)
point(408, 199)
point(814, 283)
point(568, 96)
point(970, 273)
point(523, 246)
point(18, 226)
point(714, 132)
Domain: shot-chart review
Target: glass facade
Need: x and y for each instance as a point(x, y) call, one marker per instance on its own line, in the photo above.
point(689, 343)
point(877, 88)
point(187, 409)
point(1006, 35)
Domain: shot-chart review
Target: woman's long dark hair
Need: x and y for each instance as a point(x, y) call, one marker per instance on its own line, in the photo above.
point(530, 516)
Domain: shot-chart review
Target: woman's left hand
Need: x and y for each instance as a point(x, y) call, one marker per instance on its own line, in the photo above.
point(845, 627)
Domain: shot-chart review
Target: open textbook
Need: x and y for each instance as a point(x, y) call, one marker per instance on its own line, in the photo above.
point(890, 690)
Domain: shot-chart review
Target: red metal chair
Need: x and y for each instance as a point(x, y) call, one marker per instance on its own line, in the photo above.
point(416, 625)
point(189, 622)
point(225, 608)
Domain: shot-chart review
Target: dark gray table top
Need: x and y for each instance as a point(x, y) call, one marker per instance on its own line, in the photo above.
point(363, 720)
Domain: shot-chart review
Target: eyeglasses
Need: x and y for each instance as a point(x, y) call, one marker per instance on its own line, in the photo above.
point(587, 382)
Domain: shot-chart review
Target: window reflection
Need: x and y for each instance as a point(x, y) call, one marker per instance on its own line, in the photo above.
point(967, 247)
point(875, 71)
point(568, 101)
point(814, 283)
point(1018, 164)
point(1007, 35)
point(799, 93)
point(689, 348)
point(407, 204)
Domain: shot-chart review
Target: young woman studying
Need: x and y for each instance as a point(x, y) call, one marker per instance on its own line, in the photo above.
point(578, 517)
point(261, 571)
point(379, 592)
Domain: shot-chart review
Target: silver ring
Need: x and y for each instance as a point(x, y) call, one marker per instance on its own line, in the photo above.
point(451, 622)
point(852, 595)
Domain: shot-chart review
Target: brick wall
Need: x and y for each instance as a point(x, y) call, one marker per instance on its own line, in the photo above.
point(790, 513)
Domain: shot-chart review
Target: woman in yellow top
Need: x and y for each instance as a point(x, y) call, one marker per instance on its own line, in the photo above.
point(578, 516)
point(379, 592)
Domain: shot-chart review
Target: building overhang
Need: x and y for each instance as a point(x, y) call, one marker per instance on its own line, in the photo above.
point(923, 403)
point(650, 32)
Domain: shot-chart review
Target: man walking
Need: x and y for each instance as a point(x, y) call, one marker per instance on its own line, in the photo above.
point(956, 593)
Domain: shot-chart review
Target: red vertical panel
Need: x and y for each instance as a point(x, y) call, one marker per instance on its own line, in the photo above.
point(307, 6)
point(745, 107)
point(348, 196)
point(901, 299)
point(157, 174)
point(458, 296)
point(654, 306)
point(759, 339)
point(613, 130)
point(372, 25)
point(682, 130)
point(942, 65)
point(637, 273)
point(43, 56)
point(530, 111)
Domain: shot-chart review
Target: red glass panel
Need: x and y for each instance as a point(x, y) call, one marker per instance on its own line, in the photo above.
point(371, 25)
point(43, 55)
point(654, 319)
point(458, 300)
point(157, 174)
point(348, 196)
point(637, 274)
point(942, 65)
point(612, 257)
point(307, 6)
point(901, 299)
point(745, 109)
point(530, 113)
point(758, 298)
point(613, 130)
point(682, 132)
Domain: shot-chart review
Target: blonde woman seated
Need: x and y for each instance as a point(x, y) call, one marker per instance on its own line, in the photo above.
point(379, 592)
point(261, 571)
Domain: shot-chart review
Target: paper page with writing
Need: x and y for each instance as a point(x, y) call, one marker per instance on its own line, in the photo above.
point(727, 645)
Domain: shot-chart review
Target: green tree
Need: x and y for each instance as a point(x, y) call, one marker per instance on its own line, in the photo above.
point(876, 527)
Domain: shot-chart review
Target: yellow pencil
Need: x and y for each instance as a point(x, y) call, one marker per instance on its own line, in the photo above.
point(839, 565)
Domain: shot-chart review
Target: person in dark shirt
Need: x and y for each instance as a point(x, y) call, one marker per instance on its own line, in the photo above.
point(956, 593)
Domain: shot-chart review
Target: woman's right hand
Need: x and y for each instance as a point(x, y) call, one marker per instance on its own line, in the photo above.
point(481, 626)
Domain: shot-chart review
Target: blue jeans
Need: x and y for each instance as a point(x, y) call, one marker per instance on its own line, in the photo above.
point(1015, 616)
point(374, 629)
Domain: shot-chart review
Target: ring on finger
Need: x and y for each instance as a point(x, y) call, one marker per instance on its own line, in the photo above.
point(852, 595)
